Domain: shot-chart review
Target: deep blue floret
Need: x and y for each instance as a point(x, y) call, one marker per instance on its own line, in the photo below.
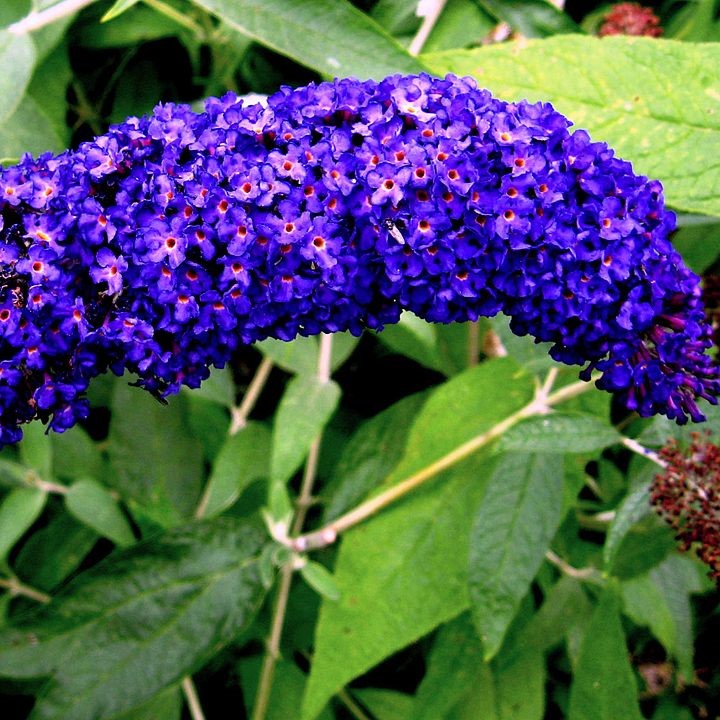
point(165, 244)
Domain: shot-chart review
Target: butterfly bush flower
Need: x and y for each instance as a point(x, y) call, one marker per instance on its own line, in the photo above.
point(163, 245)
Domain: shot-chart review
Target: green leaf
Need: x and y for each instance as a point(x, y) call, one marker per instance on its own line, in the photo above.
point(660, 599)
point(666, 122)
point(531, 18)
point(520, 686)
point(140, 24)
point(330, 36)
point(18, 511)
point(93, 505)
point(460, 24)
point(698, 241)
point(415, 339)
point(167, 705)
point(28, 129)
point(453, 667)
point(218, 388)
point(156, 461)
point(319, 578)
point(378, 566)
point(385, 704)
point(49, 89)
point(604, 687)
point(304, 410)
point(75, 455)
point(54, 551)
point(370, 454)
point(635, 507)
point(300, 356)
point(242, 459)
point(516, 521)
point(140, 621)
point(560, 432)
point(287, 691)
point(36, 450)
point(565, 605)
point(531, 355)
point(17, 59)
point(118, 8)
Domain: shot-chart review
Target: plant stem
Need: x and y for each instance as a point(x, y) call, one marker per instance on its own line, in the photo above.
point(539, 405)
point(588, 573)
point(432, 10)
point(15, 587)
point(641, 450)
point(304, 501)
point(193, 701)
point(473, 343)
point(37, 20)
point(241, 412)
point(353, 708)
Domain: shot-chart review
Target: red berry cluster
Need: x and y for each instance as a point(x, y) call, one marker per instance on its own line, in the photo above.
point(687, 496)
point(631, 19)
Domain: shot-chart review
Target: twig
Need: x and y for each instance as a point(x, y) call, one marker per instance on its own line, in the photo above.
point(588, 573)
point(240, 414)
point(37, 20)
point(17, 588)
point(191, 696)
point(328, 534)
point(353, 708)
point(272, 652)
point(636, 447)
point(430, 10)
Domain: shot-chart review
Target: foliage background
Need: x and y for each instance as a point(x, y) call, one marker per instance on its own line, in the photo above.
point(531, 580)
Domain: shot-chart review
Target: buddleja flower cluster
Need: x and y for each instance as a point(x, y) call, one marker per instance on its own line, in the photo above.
point(687, 496)
point(163, 245)
point(631, 18)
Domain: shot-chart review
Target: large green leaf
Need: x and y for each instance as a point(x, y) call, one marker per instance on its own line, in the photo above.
point(560, 432)
point(303, 412)
point(604, 687)
point(657, 102)
point(454, 667)
point(330, 36)
point(660, 599)
point(156, 461)
point(533, 18)
point(28, 129)
point(94, 506)
point(18, 511)
point(138, 622)
point(17, 58)
point(370, 454)
point(413, 555)
point(512, 530)
point(242, 459)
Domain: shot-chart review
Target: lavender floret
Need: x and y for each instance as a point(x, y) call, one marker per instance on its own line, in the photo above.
point(163, 245)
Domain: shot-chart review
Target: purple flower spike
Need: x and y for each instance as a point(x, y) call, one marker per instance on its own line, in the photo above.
point(163, 245)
